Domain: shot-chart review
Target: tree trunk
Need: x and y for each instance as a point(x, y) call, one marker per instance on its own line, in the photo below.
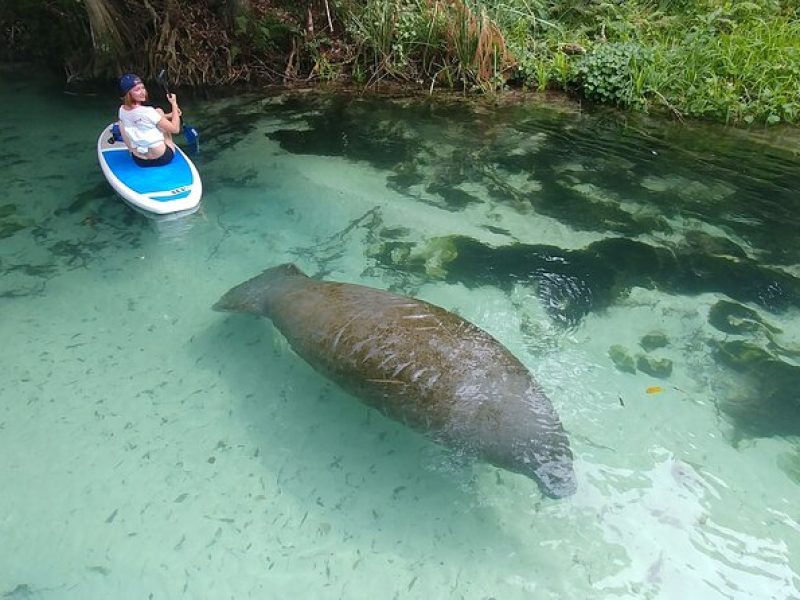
point(108, 38)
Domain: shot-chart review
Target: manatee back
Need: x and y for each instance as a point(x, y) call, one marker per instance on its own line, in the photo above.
point(416, 362)
point(420, 365)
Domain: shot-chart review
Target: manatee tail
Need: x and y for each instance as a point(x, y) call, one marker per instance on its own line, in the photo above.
point(253, 295)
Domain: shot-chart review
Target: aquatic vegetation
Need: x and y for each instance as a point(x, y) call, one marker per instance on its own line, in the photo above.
point(85, 199)
point(455, 198)
point(547, 166)
point(42, 271)
point(767, 402)
point(700, 241)
point(768, 393)
point(435, 255)
point(330, 132)
point(75, 254)
point(405, 175)
point(7, 210)
point(9, 229)
point(625, 362)
point(790, 464)
point(10, 224)
point(393, 233)
point(571, 283)
point(688, 189)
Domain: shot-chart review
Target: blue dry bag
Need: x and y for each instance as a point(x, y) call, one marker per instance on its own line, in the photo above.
point(115, 133)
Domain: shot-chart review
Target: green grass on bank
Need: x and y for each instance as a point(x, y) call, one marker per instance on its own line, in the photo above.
point(735, 61)
point(731, 61)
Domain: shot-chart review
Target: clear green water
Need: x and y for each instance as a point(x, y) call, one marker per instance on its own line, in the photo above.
point(152, 448)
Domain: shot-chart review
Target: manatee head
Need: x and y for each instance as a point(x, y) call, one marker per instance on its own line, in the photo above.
point(542, 456)
point(527, 438)
point(549, 465)
point(253, 296)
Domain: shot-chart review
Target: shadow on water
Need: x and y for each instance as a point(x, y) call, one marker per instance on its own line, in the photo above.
point(574, 283)
point(580, 171)
point(338, 458)
point(716, 228)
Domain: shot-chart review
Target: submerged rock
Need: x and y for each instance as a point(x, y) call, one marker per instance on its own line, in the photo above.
point(654, 340)
point(622, 359)
point(655, 367)
point(731, 317)
point(435, 256)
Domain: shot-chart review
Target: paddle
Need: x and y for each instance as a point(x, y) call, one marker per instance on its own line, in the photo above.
point(190, 134)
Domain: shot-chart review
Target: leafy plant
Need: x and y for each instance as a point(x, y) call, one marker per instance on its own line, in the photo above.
point(606, 73)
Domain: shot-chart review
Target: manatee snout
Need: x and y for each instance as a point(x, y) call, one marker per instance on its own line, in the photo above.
point(548, 463)
point(556, 478)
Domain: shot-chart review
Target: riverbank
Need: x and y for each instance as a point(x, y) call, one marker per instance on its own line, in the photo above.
point(736, 63)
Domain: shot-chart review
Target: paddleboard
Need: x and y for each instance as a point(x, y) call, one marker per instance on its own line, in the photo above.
point(171, 188)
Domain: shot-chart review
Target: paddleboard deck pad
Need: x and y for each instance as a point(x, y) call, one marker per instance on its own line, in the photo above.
point(171, 188)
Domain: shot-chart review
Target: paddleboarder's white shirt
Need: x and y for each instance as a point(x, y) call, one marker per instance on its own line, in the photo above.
point(141, 126)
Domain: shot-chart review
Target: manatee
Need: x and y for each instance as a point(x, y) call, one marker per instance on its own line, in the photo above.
point(418, 364)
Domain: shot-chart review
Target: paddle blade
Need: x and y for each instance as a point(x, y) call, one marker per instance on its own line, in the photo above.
point(163, 80)
point(192, 137)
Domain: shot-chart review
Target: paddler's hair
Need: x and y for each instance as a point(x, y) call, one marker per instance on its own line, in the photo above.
point(129, 102)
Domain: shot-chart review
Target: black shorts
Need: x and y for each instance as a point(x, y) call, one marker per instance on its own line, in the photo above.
point(162, 160)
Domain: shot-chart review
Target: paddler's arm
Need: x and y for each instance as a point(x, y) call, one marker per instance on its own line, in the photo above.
point(169, 114)
point(171, 123)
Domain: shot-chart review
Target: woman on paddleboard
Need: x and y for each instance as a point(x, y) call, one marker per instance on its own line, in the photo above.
point(147, 131)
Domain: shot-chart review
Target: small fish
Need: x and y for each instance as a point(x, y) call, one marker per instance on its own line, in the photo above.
point(654, 389)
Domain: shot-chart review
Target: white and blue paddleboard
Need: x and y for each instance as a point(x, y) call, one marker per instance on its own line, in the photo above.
point(171, 188)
